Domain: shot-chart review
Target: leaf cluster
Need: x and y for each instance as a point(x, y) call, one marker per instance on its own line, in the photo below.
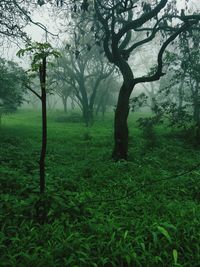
point(38, 51)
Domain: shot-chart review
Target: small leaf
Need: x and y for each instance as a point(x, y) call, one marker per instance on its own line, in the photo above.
point(164, 232)
point(128, 259)
point(175, 256)
point(125, 234)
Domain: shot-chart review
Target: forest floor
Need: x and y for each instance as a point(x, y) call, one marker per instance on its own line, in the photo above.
point(100, 213)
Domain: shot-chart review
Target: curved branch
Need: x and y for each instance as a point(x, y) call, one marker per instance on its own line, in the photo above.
point(40, 25)
point(106, 30)
point(143, 19)
point(158, 74)
point(33, 91)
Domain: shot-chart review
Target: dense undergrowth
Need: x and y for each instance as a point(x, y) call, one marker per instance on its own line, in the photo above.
point(100, 213)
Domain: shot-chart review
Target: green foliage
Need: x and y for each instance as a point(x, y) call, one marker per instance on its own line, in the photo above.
point(157, 226)
point(148, 127)
point(11, 86)
point(38, 51)
point(138, 101)
point(72, 117)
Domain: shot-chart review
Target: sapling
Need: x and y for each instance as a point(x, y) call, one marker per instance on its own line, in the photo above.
point(40, 52)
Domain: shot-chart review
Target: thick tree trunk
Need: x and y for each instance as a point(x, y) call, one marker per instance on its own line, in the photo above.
point(87, 115)
point(120, 151)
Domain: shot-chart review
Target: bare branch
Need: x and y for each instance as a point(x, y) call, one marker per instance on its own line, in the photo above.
point(33, 91)
point(158, 74)
point(132, 25)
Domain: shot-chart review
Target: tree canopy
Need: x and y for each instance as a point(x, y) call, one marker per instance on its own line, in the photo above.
point(12, 86)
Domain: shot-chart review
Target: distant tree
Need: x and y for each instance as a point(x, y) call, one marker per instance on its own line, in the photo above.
point(52, 101)
point(12, 87)
point(182, 88)
point(59, 83)
point(119, 20)
point(82, 72)
point(107, 94)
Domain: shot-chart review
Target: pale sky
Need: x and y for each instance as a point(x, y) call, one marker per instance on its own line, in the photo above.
point(53, 24)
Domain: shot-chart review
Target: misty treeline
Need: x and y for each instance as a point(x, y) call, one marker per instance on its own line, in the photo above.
point(103, 39)
point(95, 65)
point(137, 61)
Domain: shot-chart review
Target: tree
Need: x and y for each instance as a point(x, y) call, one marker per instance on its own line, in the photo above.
point(12, 86)
point(14, 18)
point(106, 95)
point(59, 83)
point(40, 52)
point(119, 20)
point(185, 78)
point(83, 71)
point(190, 65)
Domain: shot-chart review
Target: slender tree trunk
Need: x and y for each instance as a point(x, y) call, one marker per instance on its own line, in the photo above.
point(197, 122)
point(44, 125)
point(64, 100)
point(103, 110)
point(72, 104)
point(97, 109)
point(85, 114)
point(196, 105)
point(91, 116)
point(120, 123)
point(44, 144)
point(197, 112)
point(180, 92)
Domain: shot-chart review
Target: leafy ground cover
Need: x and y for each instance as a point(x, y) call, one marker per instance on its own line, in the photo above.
point(100, 213)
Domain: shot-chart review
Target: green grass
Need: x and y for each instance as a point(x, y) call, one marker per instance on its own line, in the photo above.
point(90, 222)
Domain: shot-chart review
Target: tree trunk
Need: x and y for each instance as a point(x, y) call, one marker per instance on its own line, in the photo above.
point(120, 151)
point(180, 92)
point(103, 110)
point(87, 115)
point(44, 126)
point(44, 144)
point(72, 104)
point(97, 109)
point(197, 122)
point(197, 112)
point(64, 100)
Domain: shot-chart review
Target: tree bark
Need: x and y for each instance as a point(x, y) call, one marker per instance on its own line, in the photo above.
point(180, 92)
point(64, 100)
point(196, 101)
point(87, 115)
point(44, 125)
point(120, 151)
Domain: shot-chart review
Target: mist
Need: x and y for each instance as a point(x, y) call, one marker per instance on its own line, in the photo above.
point(99, 133)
